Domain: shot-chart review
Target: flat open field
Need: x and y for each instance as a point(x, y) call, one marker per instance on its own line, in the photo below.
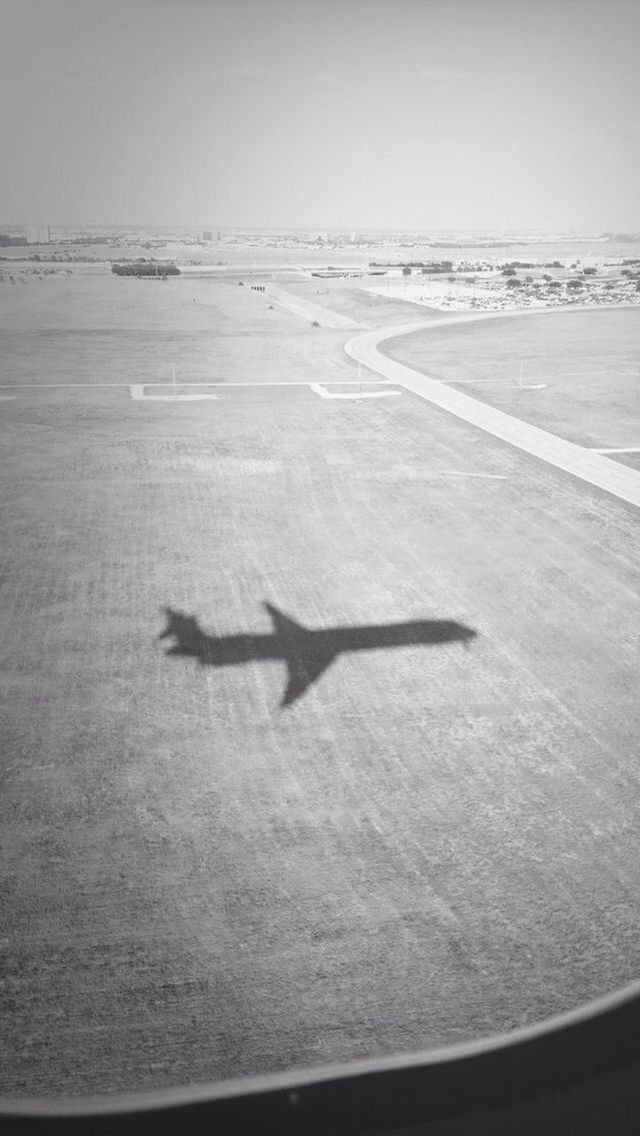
point(435, 840)
point(101, 329)
point(576, 374)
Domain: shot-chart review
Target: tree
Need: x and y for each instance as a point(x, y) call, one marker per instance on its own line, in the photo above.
point(145, 268)
point(406, 271)
point(546, 277)
point(508, 271)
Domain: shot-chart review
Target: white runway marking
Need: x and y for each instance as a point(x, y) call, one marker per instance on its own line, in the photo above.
point(201, 383)
point(323, 393)
point(594, 468)
point(457, 382)
point(54, 386)
point(138, 394)
point(464, 473)
point(6, 397)
point(618, 450)
point(503, 382)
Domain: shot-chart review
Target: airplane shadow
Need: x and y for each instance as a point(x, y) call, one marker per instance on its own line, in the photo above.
point(307, 652)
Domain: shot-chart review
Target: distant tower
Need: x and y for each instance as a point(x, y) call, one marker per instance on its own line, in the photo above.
point(207, 235)
point(48, 234)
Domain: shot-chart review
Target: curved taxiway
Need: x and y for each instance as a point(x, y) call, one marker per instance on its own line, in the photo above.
point(594, 468)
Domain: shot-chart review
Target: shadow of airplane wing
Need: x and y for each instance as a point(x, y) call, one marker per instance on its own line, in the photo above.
point(302, 672)
point(305, 656)
point(283, 625)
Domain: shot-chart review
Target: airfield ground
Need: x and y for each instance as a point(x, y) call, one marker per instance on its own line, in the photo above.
point(434, 843)
point(574, 373)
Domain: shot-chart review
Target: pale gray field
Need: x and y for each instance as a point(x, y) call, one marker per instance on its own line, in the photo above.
point(432, 843)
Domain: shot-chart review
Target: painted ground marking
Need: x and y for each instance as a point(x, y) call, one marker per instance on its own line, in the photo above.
point(465, 473)
point(202, 383)
point(502, 382)
point(138, 394)
point(318, 389)
point(594, 468)
point(616, 450)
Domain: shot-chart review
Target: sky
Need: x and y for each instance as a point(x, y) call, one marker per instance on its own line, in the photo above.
point(317, 114)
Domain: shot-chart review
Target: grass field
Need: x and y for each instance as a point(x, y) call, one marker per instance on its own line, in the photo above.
point(585, 364)
point(431, 844)
point(118, 329)
point(348, 297)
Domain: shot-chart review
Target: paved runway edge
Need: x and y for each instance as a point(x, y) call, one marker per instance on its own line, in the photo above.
point(596, 469)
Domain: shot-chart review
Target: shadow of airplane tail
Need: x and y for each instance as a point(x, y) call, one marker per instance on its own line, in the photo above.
point(190, 639)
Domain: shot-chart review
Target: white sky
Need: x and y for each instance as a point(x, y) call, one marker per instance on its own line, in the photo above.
point(321, 114)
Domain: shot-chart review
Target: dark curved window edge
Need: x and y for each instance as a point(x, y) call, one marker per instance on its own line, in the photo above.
point(579, 1068)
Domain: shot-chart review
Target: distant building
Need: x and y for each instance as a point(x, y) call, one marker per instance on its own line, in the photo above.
point(38, 234)
point(207, 235)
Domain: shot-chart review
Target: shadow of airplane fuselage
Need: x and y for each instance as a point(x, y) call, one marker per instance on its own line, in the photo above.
point(306, 652)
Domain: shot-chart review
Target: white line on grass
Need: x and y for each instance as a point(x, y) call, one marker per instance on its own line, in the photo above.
point(503, 382)
point(52, 386)
point(594, 468)
point(138, 394)
point(323, 393)
point(203, 383)
point(456, 382)
point(464, 473)
point(617, 450)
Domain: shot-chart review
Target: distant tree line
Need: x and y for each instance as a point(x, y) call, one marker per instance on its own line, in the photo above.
point(532, 264)
point(145, 268)
point(438, 266)
point(7, 241)
point(424, 266)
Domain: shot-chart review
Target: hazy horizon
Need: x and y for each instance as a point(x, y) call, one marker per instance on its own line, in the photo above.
point(204, 223)
point(372, 115)
point(198, 225)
